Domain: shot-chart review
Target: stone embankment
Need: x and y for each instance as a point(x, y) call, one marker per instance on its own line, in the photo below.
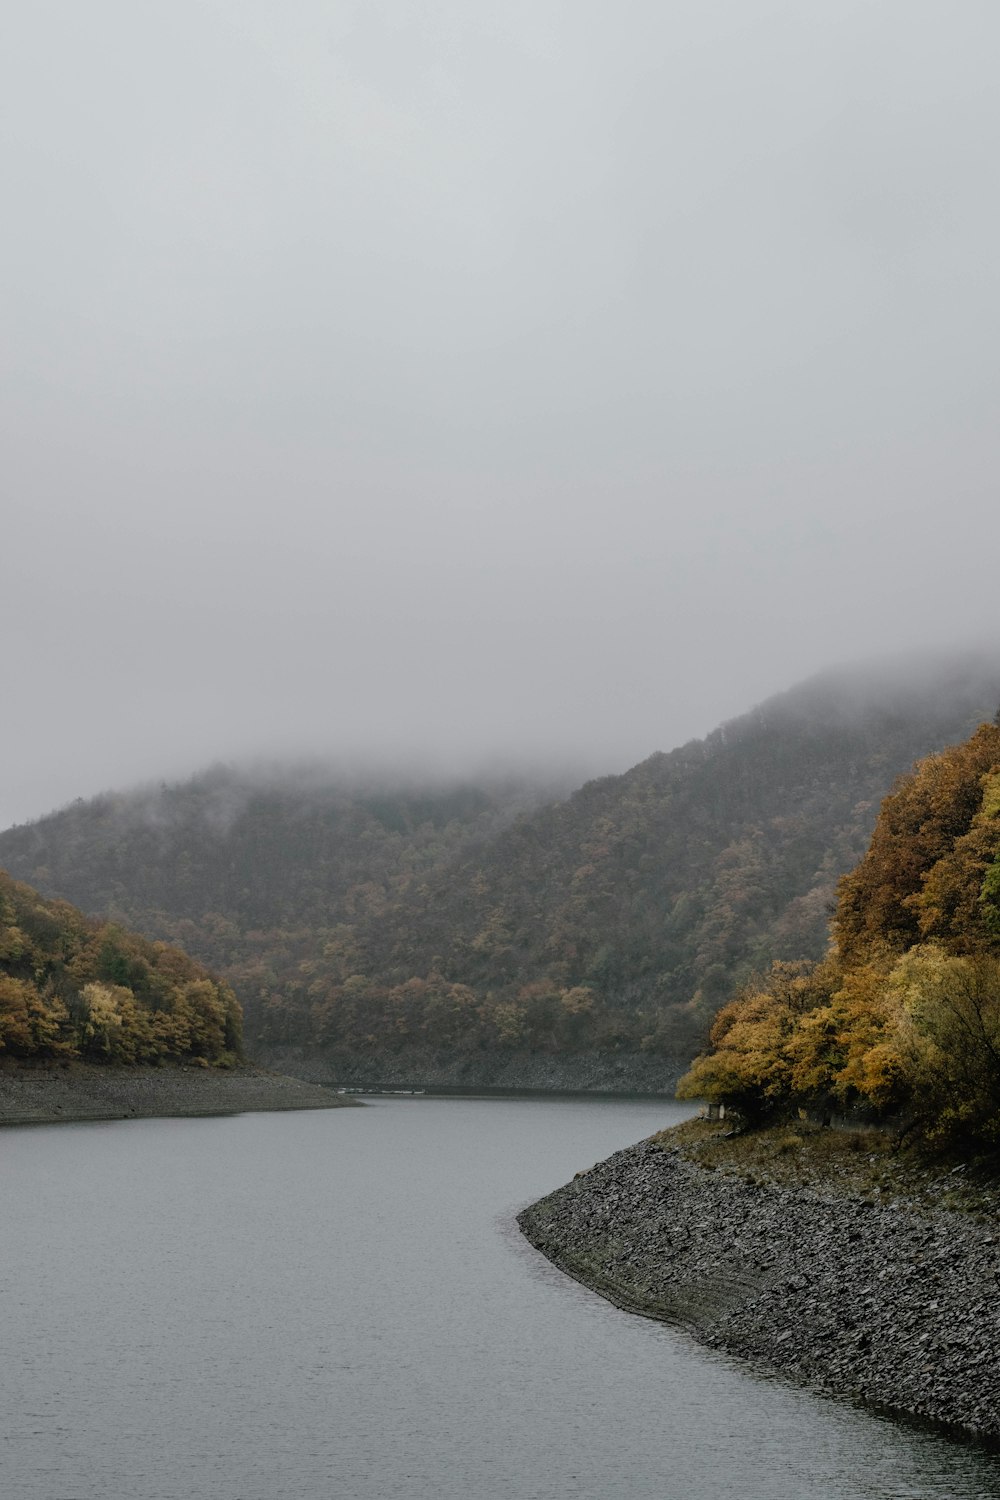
point(894, 1305)
point(35, 1096)
point(510, 1070)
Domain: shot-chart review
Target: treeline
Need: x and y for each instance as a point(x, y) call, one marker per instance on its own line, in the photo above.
point(902, 1018)
point(468, 918)
point(72, 988)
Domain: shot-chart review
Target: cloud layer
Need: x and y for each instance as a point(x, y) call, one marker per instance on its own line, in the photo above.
point(455, 380)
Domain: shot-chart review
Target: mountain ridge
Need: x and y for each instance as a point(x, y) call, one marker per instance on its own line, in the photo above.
point(613, 921)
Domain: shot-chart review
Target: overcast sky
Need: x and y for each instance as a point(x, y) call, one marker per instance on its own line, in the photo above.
point(441, 377)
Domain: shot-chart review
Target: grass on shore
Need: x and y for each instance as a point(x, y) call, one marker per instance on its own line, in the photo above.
point(865, 1163)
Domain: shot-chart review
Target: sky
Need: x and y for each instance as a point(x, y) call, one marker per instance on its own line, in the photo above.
point(441, 380)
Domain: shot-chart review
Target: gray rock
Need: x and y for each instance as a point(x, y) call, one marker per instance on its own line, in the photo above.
point(80, 1092)
point(893, 1305)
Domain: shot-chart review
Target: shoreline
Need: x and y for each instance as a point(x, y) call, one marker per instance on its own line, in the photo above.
point(891, 1305)
point(80, 1092)
point(624, 1075)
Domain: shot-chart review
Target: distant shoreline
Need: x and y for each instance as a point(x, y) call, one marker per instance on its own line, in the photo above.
point(886, 1302)
point(51, 1096)
point(500, 1071)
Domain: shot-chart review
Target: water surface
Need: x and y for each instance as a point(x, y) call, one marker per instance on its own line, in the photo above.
point(338, 1304)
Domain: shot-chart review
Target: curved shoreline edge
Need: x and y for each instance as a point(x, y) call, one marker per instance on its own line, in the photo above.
point(36, 1096)
point(890, 1306)
point(625, 1074)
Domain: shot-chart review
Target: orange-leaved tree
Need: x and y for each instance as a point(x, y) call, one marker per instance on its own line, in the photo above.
point(903, 1017)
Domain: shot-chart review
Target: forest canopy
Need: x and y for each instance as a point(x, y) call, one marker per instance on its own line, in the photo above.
point(902, 1017)
point(73, 988)
point(360, 919)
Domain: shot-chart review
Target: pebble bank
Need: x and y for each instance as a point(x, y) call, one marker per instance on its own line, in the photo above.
point(895, 1307)
point(508, 1069)
point(33, 1096)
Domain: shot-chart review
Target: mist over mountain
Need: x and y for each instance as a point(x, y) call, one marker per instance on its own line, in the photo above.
point(482, 379)
point(372, 923)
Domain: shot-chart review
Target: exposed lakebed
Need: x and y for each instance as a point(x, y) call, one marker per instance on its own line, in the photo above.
point(892, 1304)
point(339, 1302)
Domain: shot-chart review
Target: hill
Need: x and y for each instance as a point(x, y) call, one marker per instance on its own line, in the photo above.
point(73, 989)
point(403, 930)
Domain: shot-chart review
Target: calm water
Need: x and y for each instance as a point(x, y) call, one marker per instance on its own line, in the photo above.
point(338, 1304)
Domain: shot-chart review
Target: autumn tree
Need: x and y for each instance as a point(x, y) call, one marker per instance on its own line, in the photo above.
point(903, 1017)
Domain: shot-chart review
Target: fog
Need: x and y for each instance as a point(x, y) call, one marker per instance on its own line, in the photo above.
point(448, 381)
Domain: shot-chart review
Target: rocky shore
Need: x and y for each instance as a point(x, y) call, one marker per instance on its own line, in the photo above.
point(510, 1069)
point(37, 1096)
point(891, 1303)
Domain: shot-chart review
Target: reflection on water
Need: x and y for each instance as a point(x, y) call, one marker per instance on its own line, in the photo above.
point(311, 1305)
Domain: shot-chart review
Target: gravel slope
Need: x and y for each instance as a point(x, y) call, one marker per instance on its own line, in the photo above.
point(586, 1072)
point(43, 1096)
point(892, 1305)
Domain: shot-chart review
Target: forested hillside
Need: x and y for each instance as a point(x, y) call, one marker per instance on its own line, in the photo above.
point(617, 919)
point(903, 1016)
point(73, 988)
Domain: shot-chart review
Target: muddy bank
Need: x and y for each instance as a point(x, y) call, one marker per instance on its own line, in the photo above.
point(579, 1073)
point(35, 1096)
point(895, 1306)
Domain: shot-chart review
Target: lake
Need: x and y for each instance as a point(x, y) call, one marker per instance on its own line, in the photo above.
point(338, 1303)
